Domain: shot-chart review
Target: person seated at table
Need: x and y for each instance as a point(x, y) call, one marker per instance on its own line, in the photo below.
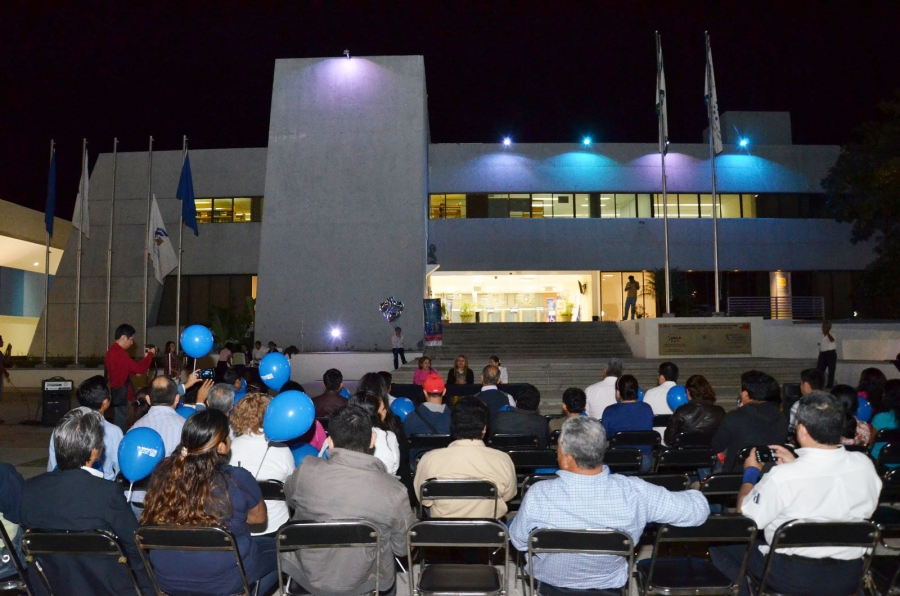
point(629, 414)
point(423, 371)
point(461, 374)
point(524, 419)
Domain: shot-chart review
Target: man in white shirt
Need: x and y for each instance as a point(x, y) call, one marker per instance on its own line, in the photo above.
point(827, 354)
point(822, 482)
point(259, 351)
point(603, 394)
point(657, 398)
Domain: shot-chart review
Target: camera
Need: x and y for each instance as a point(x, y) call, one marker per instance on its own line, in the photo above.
point(149, 347)
point(207, 373)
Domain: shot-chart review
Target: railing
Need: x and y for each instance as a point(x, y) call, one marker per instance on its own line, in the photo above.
point(777, 307)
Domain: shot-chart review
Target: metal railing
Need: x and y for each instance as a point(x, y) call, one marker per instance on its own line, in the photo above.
point(777, 307)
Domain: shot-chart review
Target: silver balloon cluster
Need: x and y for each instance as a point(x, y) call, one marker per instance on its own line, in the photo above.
point(391, 309)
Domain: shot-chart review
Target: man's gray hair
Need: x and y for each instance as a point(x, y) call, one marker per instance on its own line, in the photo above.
point(491, 374)
point(614, 367)
point(221, 397)
point(584, 439)
point(78, 433)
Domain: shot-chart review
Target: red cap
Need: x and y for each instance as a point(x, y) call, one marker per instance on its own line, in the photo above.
point(433, 384)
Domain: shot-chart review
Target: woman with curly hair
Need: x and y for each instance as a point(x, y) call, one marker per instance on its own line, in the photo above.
point(252, 451)
point(195, 486)
point(700, 414)
point(461, 374)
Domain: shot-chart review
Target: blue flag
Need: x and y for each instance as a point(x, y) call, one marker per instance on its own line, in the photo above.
point(186, 194)
point(50, 207)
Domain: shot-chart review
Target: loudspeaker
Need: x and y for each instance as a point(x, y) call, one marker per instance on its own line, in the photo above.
point(56, 400)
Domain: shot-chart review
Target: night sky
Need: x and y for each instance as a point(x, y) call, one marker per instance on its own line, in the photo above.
point(539, 71)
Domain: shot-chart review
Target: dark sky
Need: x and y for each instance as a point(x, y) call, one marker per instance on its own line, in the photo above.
point(540, 71)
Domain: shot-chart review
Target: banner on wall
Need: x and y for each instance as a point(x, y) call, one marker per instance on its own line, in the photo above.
point(434, 328)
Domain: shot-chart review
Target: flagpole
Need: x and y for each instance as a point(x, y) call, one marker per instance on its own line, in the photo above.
point(662, 152)
point(180, 253)
point(47, 272)
point(146, 236)
point(78, 259)
point(712, 162)
point(109, 246)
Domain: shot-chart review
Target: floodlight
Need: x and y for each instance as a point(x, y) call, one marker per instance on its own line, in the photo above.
point(507, 141)
point(586, 142)
point(743, 142)
point(335, 332)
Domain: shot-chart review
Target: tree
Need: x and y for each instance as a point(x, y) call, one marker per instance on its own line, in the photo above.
point(863, 188)
point(680, 290)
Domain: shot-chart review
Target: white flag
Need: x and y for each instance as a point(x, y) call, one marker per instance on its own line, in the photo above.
point(162, 255)
point(661, 112)
point(82, 211)
point(712, 102)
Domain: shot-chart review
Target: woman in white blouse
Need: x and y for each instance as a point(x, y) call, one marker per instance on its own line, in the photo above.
point(387, 448)
point(252, 451)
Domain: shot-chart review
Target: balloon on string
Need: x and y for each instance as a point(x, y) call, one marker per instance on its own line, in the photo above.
point(402, 406)
point(303, 450)
point(139, 452)
point(196, 341)
point(289, 415)
point(864, 412)
point(274, 370)
point(640, 394)
point(391, 309)
point(677, 396)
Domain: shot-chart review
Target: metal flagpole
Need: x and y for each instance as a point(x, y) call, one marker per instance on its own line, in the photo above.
point(109, 246)
point(662, 152)
point(78, 259)
point(147, 235)
point(180, 253)
point(47, 275)
point(712, 163)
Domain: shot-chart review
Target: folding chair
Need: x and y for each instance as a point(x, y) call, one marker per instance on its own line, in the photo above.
point(661, 420)
point(272, 490)
point(428, 442)
point(636, 438)
point(299, 535)
point(888, 457)
point(722, 489)
point(691, 439)
point(98, 543)
point(185, 538)
point(435, 489)
point(9, 584)
point(505, 442)
point(671, 482)
point(623, 460)
point(532, 480)
point(690, 576)
point(527, 461)
point(796, 534)
point(592, 542)
point(685, 460)
point(554, 437)
point(885, 569)
point(440, 579)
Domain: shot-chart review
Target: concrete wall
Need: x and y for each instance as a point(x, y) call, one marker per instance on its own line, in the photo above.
point(344, 224)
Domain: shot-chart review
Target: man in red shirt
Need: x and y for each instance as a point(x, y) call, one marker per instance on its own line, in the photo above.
point(120, 367)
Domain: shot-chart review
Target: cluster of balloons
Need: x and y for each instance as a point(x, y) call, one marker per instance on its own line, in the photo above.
point(677, 396)
point(391, 309)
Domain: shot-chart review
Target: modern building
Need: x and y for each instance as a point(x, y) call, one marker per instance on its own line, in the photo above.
point(339, 211)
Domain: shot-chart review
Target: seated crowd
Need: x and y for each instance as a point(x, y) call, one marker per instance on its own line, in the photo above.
point(372, 467)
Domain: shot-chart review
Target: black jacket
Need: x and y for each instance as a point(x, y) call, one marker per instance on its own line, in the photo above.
point(756, 423)
point(522, 422)
point(494, 399)
point(695, 416)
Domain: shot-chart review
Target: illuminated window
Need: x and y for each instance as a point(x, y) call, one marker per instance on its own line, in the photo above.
point(229, 210)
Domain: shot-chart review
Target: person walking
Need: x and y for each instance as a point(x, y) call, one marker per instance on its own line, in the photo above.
point(631, 290)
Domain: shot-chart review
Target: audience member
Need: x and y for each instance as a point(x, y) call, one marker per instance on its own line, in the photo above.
point(162, 417)
point(233, 377)
point(350, 484)
point(11, 483)
point(331, 399)
point(855, 431)
point(76, 498)
point(120, 368)
point(871, 387)
point(757, 421)
point(657, 398)
point(574, 402)
point(629, 414)
point(822, 482)
point(504, 374)
point(195, 486)
point(388, 379)
point(490, 395)
point(221, 397)
point(586, 495)
point(138, 408)
point(811, 379)
point(423, 371)
point(172, 366)
point(259, 351)
point(523, 419)
point(93, 393)
point(387, 449)
point(397, 347)
point(461, 374)
point(264, 459)
point(889, 419)
point(468, 458)
point(375, 384)
point(700, 414)
point(431, 417)
point(601, 395)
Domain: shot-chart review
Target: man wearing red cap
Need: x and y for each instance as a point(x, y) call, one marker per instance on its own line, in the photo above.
point(431, 417)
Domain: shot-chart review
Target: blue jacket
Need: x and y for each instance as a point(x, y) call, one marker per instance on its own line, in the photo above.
point(415, 423)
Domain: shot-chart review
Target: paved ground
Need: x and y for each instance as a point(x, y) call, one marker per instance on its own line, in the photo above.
point(24, 446)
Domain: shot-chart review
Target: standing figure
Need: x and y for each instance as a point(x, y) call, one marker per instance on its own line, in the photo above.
point(397, 347)
point(827, 354)
point(631, 290)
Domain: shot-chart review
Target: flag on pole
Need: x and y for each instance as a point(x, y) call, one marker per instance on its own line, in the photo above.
point(186, 194)
point(661, 110)
point(50, 205)
point(81, 202)
point(159, 245)
point(712, 102)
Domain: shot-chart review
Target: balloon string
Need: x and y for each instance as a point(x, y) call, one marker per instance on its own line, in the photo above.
point(323, 449)
point(130, 487)
point(261, 462)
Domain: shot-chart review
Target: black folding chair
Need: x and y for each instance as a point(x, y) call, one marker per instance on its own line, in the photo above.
point(37, 544)
point(623, 460)
point(722, 489)
point(272, 490)
point(527, 461)
point(427, 442)
point(888, 457)
point(187, 538)
point(127, 486)
point(592, 542)
point(685, 460)
point(885, 569)
point(453, 578)
point(9, 583)
point(435, 489)
point(671, 482)
point(554, 437)
point(299, 535)
point(636, 438)
point(691, 576)
point(506, 442)
point(661, 420)
point(796, 534)
point(692, 439)
point(532, 480)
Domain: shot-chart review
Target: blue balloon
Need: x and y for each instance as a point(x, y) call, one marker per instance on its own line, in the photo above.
point(196, 341)
point(139, 452)
point(344, 393)
point(402, 406)
point(274, 370)
point(303, 450)
point(289, 415)
point(640, 394)
point(677, 396)
point(864, 412)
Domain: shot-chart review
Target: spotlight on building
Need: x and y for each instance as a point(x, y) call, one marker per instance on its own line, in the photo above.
point(347, 54)
point(335, 332)
point(586, 142)
point(507, 141)
point(743, 142)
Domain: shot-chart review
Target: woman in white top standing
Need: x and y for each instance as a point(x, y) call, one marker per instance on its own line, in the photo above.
point(397, 347)
point(495, 361)
point(252, 451)
point(387, 448)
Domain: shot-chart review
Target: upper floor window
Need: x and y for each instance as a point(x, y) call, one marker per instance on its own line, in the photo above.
point(229, 209)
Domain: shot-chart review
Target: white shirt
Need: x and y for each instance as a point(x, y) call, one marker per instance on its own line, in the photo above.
point(92, 471)
point(600, 396)
point(258, 353)
point(266, 461)
point(396, 342)
point(387, 449)
point(504, 376)
point(656, 398)
point(821, 485)
point(826, 344)
point(512, 401)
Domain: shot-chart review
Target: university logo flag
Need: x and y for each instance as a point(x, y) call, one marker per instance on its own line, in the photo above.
point(709, 95)
point(162, 255)
point(661, 111)
point(186, 194)
point(81, 202)
point(50, 205)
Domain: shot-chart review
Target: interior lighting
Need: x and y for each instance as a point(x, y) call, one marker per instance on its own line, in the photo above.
point(335, 332)
point(586, 142)
point(743, 142)
point(347, 54)
point(36, 264)
point(507, 141)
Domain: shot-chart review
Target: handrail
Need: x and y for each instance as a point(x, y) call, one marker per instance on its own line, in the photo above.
point(777, 307)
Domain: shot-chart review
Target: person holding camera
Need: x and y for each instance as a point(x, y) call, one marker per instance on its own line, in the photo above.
point(120, 368)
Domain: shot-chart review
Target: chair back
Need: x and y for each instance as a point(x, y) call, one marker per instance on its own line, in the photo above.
point(12, 585)
point(888, 457)
point(353, 533)
point(97, 543)
point(505, 442)
point(890, 487)
point(661, 420)
point(887, 435)
point(593, 542)
point(623, 460)
point(187, 538)
point(554, 437)
point(435, 489)
point(429, 441)
point(692, 439)
point(722, 485)
point(272, 490)
point(630, 438)
point(527, 461)
point(688, 460)
point(534, 479)
point(670, 482)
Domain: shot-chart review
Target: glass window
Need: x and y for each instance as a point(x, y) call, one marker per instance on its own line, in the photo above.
point(243, 209)
point(455, 206)
point(498, 206)
point(688, 206)
point(607, 205)
point(222, 211)
point(582, 205)
point(563, 206)
point(204, 210)
point(256, 207)
point(706, 206)
point(437, 207)
point(672, 205)
point(541, 205)
point(519, 205)
point(748, 205)
point(730, 206)
point(643, 205)
point(626, 206)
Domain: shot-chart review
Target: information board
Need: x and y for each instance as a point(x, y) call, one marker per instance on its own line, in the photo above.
point(700, 339)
